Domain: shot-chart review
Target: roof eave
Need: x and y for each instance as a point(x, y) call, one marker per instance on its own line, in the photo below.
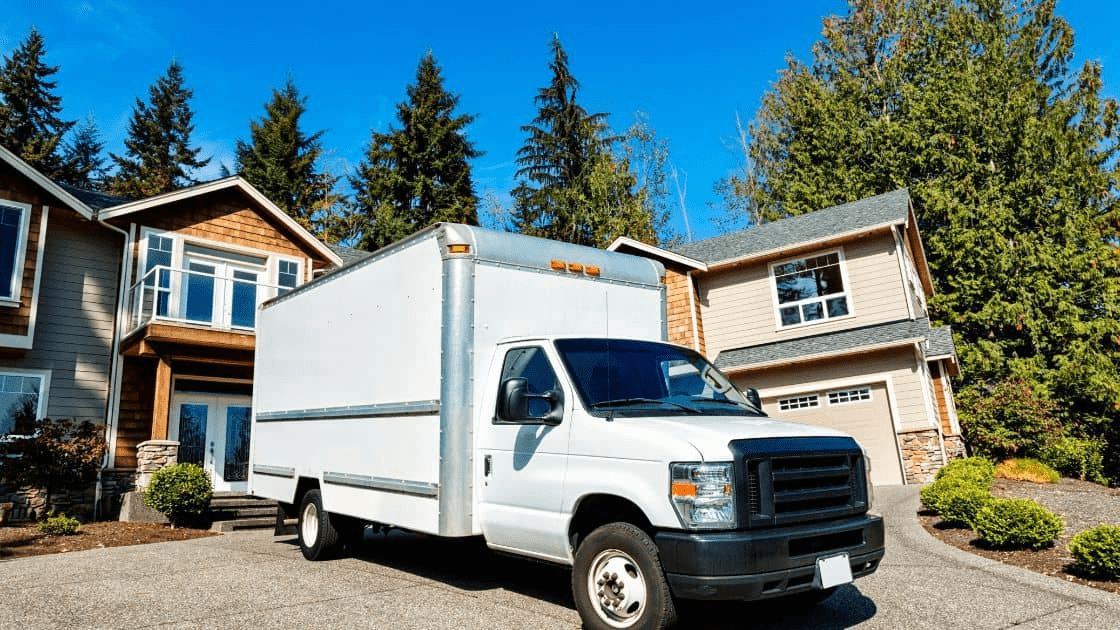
point(29, 171)
point(657, 252)
point(822, 355)
point(802, 245)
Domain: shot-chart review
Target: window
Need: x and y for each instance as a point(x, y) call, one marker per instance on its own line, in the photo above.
point(287, 276)
point(810, 289)
point(532, 365)
point(21, 398)
point(847, 396)
point(159, 254)
point(13, 242)
point(799, 402)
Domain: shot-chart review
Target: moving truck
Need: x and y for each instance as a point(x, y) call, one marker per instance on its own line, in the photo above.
point(466, 382)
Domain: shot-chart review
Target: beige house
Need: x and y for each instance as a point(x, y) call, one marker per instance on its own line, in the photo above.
point(825, 314)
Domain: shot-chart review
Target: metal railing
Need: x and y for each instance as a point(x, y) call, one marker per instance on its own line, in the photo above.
point(194, 297)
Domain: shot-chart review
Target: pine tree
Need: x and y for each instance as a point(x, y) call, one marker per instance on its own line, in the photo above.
point(572, 188)
point(1010, 158)
point(419, 173)
point(282, 162)
point(158, 154)
point(30, 125)
point(83, 162)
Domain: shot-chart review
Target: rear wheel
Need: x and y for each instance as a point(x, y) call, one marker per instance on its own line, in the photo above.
point(318, 539)
point(617, 581)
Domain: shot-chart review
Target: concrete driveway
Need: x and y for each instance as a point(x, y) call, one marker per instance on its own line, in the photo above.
point(255, 580)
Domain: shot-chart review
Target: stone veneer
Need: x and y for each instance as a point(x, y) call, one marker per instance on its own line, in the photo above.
point(954, 447)
point(152, 456)
point(30, 503)
point(115, 482)
point(921, 455)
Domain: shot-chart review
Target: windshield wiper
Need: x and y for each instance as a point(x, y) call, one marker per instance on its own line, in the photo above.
point(626, 402)
point(726, 401)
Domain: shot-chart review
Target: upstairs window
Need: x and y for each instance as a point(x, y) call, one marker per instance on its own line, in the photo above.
point(13, 243)
point(288, 276)
point(811, 289)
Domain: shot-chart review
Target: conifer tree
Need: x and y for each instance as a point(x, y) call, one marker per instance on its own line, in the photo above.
point(419, 173)
point(83, 161)
point(158, 155)
point(572, 188)
point(1010, 156)
point(30, 125)
point(282, 162)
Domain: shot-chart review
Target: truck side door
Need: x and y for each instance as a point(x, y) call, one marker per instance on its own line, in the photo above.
point(524, 455)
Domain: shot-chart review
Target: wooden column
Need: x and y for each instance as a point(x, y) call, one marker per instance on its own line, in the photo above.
point(161, 408)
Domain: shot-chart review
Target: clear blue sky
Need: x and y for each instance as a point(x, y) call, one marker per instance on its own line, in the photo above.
point(690, 66)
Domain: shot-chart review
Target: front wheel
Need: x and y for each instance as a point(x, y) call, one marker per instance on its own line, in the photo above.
point(318, 539)
point(617, 581)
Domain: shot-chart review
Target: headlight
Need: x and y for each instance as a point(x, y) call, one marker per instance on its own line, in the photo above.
point(702, 494)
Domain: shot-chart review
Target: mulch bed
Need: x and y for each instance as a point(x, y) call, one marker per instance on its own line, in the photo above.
point(22, 541)
point(1081, 505)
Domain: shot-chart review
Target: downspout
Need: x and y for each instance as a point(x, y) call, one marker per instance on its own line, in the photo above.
point(692, 315)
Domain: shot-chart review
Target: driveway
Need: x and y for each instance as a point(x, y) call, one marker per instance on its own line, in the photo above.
point(255, 580)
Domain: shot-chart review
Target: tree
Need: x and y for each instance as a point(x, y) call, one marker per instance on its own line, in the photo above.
point(282, 162)
point(30, 125)
point(419, 173)
point(83, 164)
point(572, 188)
point(158, 154)
point(1010, 158)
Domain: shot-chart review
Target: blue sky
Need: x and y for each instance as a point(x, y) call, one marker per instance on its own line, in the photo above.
point(689, 66)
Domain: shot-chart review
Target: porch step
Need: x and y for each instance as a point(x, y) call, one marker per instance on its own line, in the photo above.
point(232, 511)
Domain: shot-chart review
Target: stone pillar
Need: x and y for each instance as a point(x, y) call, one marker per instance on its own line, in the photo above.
point(954, 447)
point(154, 455)
point(922, 456)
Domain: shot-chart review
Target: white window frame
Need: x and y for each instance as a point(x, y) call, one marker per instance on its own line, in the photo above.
point(850, 395)
point(799, 402)
point(275, 275)
point(20, 260)
point(44, 377)
point(846, 293)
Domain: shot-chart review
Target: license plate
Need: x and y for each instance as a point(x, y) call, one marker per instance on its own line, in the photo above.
point(833, 571)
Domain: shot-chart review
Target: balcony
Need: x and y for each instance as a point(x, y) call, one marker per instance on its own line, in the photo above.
point(214, 307)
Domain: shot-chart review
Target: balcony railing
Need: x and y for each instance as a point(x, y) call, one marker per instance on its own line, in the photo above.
point(193, 297)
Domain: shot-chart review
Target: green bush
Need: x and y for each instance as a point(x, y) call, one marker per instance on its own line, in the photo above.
point(1097, 551)
point(1006, 419)
point(1017, 523)
point(977, 469)
point(181, 492)
point(60, 525)
point(1073, 457)
point(959, 505)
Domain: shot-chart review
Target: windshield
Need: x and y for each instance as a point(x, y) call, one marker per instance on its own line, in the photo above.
point(623, 377)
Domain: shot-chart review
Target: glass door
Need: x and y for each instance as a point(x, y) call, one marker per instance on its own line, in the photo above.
point(213, 432)
point(221, 293)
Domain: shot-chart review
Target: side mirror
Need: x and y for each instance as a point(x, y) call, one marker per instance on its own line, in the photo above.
point(753, 397)
point(515, 403)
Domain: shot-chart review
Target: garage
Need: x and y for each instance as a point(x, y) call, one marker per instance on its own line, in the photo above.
point(864, 411)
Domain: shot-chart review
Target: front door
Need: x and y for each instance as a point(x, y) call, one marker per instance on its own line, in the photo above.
point(213, 431)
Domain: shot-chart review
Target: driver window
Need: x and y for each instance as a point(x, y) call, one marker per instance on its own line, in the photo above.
point(532, 365)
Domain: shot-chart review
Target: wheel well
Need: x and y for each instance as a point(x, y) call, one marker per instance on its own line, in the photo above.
point(599, 509)
point(305, 484)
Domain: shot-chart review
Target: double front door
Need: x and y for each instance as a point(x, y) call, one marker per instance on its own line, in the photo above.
point(213, 431)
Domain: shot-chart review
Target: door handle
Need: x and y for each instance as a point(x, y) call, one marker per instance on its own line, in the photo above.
point(487, 465)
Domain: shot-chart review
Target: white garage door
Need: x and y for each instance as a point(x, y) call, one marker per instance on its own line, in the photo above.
point(862, 411)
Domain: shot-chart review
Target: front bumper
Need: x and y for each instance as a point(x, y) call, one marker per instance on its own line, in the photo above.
point(749, 565)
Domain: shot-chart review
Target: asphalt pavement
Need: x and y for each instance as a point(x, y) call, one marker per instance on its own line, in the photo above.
point(256, 580)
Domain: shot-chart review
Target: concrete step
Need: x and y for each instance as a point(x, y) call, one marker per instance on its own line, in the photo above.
point(240, 524)
point(242, 512)
point(232, 511)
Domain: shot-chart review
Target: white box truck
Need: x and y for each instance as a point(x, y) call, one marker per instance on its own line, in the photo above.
point(466, 382)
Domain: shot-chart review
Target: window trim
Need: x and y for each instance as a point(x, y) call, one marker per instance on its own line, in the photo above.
point(19, 262)
point(799, 402)
point(858, 398)
point(44, 390)
point(846, 293)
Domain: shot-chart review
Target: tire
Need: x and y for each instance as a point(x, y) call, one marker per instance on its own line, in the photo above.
point(618, 583)
point(318, 539)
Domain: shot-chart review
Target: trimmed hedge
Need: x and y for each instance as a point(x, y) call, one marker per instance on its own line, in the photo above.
point(181, 492)
point(1073, 457)
point(1097, 551)
point(976, 469)
point(1016, 524)
point(959, 505)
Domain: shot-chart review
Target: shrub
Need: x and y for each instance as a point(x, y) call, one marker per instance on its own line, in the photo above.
point(975, 469)
point(1026, 469)
point(181, 492)
point(1097, 551)
point(1073, 457)
point(60, 525)
point(54, 455)
point(1007, 419)
point(1017, 523)
point(959, 505)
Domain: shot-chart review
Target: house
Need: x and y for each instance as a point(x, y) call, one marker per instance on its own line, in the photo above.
point(140, 316)
point(826, 315)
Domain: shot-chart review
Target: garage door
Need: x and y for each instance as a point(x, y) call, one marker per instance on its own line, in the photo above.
point(862, 411)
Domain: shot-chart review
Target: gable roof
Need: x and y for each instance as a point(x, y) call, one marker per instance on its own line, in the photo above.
point(63, 195)
point(844, 342)
point(836, 222)
point(349, 255)
point(625, 245)
point(237, 183)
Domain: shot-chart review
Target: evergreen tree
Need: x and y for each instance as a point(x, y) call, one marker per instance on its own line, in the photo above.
point(572, 188)
point(158, 154)
point(30, 125)
point(83, 162)
point(282, 162)
point(1009, 155)
point(417, 174)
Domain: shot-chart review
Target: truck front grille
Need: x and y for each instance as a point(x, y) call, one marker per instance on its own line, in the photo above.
point(795, 480)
